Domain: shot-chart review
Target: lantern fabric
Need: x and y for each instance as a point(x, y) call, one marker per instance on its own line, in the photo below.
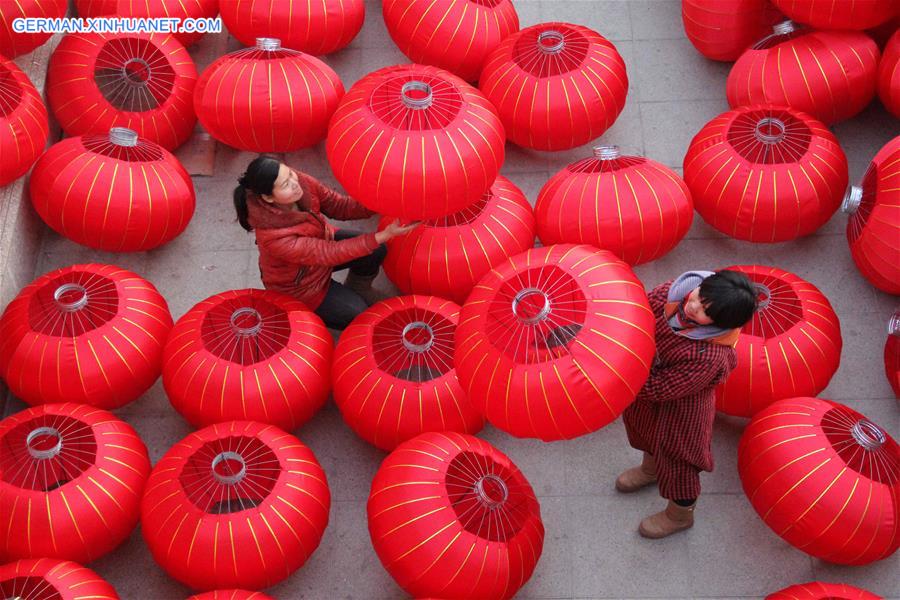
point(89, 333)
point(765, 173)
point(831, 75)
point(230, 595)
point(320, 27)
point(153, 9)
point(71, 478)
point(817, 590)
point(824, 478)
point(447, 256)
point(267, 98)
point(450, 516)
point(113, 192)
point(791, 347)
point(14, 44)
point(892, 354)
point(49, 579)
point(555, 342)
point(722, 30)
point(248, 355)
point(394, 375)
point(634, 207)
point(415, 142)
point(23, 122)
point(237, 504)
point(873, 230)
point(456, 35)
point(889, 75)
point(555, 85)
point(828, 14)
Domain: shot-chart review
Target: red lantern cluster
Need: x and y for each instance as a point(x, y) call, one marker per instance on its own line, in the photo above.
point(828, 14)
point(230, 595)
point(555, 85)
point(892, 354)
point(765, 173)
point(13, 44)
point(723, 30)
point(451, 516)
point(45, 578)
point(152, 9)
point(889, 75)
point(817, 590)
point(23, 122)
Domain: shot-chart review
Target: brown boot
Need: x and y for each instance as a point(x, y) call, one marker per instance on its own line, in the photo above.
point(638, 477)
point(362, 285)
point(672, 520)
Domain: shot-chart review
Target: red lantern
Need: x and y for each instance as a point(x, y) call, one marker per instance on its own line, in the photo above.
point(872, 230)
point(456, 35)
point(556, 85)
point(824, 478)
point(892, 354)
point(319, 27)
point(153, 9)
point(113, 192)
point(13, 44)
point(791, 347)
point(415, 142)
point(238, 504)
point(23, 122)
point(828, 14)
point(71, 478)
point(889, 75)
point(48, 579)
point(447, 256)
point(634, 207)
point(451, 516)
point(248, 355)
point(268, 98)
point(144, 82)
point(765, 173)
point(88, 333)
point(394, 375)
point(231, 595)
point(723, 30)
point(816, 590)
point(555, 342)
point(828, 74)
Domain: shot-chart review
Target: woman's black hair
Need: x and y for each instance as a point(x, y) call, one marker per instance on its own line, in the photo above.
point(729, 299)
point(259, 178)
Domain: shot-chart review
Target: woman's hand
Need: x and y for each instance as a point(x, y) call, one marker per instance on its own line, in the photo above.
point(395, 229)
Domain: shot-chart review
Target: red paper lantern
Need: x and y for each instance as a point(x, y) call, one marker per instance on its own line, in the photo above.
point(48, 579)
point(268, 98)
point(892, 354)
point(23, 122)
point(889, 75)
point(816, 590)
point(829, 74)
point(634, 207)
point(230, 595)
point(456, 35)
point(824, 478)
point(765, 173)
point(451, 516)
point(394, 375)
point(555, 85)
point(555, 342)
point(13, 44)
point(89, 333)
point(791, 347)
point(723, 30)
point(415, 142)
point(447, 256)
point(249, 355)
point(319, 27)
point(152, 9)
point(873, 230)
point(238, 504)
point(144, 82)
point(113, 192)
point(71, 478)
point(828, 14)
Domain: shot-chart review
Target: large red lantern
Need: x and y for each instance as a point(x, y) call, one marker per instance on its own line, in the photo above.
point(456, 35)
point(49, 579)
point(230, 595)
point(829, 14)
point(394, 375)
point(634, 207)
point(791, 347)
point(889, 75)
point(817, 590)
point(722, 30)
point(319, 27)
point(555, 85)
point(144, 82)
point(87, 333)
point(71, 478)
point(267, 98)
point(873, 230)
point(451, 516)
point(892, 354)
point(555, 342)
point(238, 504)
point(447, 256)
point(113, 192)
point(415, 142)
point(23, 122)
point(249, 355)
point(13, 44)
point(153, 9)
point(765, 173)
point(824, 478)
point(831, 75)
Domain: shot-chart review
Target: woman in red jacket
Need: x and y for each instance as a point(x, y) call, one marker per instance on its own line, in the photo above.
point(299, 249)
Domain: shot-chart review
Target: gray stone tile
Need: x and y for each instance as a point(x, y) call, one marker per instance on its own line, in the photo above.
point(552, 577)
point(529, 182)
point(861, 372)
point(374, 34)
point(530, 13)
point(122, 566)
point(595, 460)
point(609, 18)
point(154, 403)
point(626, 133)
point(703, 253)
point(724, 479)
point(701, 230)
point(159, 432)
point(669, 127)
point(673, 70)
point(347, 64)
point(865, 134)
point(656, 19)
point(60, 252)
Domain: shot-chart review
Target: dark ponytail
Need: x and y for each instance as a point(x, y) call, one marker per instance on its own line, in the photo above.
point(259, 178)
